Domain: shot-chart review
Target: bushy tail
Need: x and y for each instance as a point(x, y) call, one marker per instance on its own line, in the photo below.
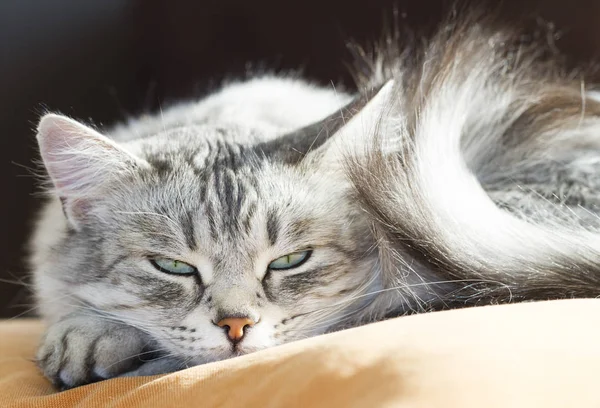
point(493, 188)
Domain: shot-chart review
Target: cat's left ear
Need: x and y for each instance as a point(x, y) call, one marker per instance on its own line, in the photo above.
point(347, 132)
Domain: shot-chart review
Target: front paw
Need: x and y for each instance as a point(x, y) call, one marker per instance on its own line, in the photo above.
point(79, 350)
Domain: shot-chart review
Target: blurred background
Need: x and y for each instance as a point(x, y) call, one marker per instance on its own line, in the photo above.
point(105, 60)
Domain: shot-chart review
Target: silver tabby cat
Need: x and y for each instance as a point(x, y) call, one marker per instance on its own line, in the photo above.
point(465, 172)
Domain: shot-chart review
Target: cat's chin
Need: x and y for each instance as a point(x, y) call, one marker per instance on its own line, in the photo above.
point(245, 350)
point(223, 353)
point(166, 365)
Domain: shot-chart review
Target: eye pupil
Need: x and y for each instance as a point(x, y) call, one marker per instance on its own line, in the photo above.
point(290, 261)
point(173, 266)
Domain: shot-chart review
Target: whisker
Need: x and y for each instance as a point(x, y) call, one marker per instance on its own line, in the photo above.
point(328, 313)
point(154, 351)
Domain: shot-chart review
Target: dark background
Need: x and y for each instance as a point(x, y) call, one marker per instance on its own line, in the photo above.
point(107, 59)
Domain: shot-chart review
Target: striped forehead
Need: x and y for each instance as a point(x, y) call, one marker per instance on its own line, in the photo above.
point(218, 182)
point(230, 200)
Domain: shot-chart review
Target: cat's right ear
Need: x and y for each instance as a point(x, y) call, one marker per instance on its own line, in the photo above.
point(348, 132)
point(80, 162)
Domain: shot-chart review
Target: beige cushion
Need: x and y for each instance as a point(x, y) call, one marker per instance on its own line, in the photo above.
point(543, 354)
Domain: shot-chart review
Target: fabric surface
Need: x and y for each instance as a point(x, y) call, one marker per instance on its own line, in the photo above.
point(530, 355)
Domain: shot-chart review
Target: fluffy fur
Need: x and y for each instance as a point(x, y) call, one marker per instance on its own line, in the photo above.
point(496, 182)
point(464, 172)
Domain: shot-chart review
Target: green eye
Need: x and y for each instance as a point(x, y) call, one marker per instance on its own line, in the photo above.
point(173, 266)
point(289, 261)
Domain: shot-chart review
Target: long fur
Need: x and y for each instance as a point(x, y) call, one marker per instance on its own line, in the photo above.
point(496, 182)
point(466, 171)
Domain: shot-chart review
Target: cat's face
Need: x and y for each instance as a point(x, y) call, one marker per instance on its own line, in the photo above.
point(214, 248)
point(230, 221)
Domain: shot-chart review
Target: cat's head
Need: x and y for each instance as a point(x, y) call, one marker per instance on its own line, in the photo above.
point(214, 247)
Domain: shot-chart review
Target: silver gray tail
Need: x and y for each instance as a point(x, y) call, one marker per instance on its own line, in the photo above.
point(492, 185)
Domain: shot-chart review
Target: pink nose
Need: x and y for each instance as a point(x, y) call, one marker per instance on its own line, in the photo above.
point(235, 326)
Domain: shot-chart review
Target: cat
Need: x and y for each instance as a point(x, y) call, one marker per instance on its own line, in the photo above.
point(465, 171)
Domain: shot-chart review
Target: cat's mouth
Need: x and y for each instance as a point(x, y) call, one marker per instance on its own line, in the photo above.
point(240, 349)
point(224, 353)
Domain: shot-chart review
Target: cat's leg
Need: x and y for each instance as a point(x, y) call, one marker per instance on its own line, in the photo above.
point(80, 349)
point(160, 365)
